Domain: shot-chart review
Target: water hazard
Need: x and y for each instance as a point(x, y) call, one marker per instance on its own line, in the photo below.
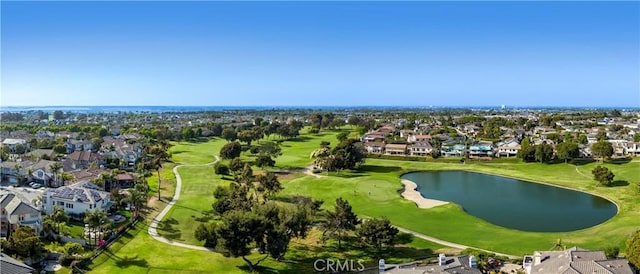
point(515, 203)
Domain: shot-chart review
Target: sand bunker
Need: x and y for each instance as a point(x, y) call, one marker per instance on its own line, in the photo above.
point(410, 193)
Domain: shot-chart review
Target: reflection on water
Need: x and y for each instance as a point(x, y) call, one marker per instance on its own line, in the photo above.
point(514, 203)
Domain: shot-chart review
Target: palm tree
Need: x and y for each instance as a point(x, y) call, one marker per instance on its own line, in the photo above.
point(96, 220)
point(59, 216)
point(156, 154)
point(55, 169)
point(137, 199)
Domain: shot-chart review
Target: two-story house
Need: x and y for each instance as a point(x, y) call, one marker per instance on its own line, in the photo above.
point(78, 145)
point(508, 148)
point(76, 199)
point(81, 160)
point(15, 212)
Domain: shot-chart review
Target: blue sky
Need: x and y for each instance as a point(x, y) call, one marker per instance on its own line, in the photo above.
point(321, 53)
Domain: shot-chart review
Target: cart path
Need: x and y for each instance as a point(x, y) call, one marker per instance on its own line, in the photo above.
point(154, 224)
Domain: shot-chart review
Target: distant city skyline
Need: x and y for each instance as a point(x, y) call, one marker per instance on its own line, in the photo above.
point(414, 54)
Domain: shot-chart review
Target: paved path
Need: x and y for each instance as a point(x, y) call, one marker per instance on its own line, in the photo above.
point(582, 174)
point(153, 232)
point(154, 224)
point(450, 244)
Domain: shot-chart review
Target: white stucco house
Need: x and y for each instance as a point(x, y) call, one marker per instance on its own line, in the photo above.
point(76, 199)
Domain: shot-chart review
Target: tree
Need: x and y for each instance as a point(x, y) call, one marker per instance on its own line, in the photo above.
point(633, 249)
point(582, 139)
point(188, 134)
point(601, 136)
point(236, 165)
point(341, 220)
point(137, 199)
point(98, 222)
point(269, 184)
point(377, 232)
point(349, 154)
point(229, 134)
point(603, 175)
point(231, 150)
point(246, 136)
point(60, 149)
point(611, 252)
point(238, 231)
point(19, 149)
point(567, 151)
point(59, 217)
point(25, 242)
point(342, 136)
point(216, 130)
point(602, 149)
point(264, 161)
point(270, 148)
point(269, 227)
point(221, 169)
point(207, 233)
point(543, 153)
point(58, 115)
point(527, 151)
point(636, 137)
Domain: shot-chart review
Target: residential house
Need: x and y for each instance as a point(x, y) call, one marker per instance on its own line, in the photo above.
point(81, 160)
point(395, 149)
point(419, 138)
point(12, 266)
point(125, 180)
point(42, 173)
point(78, 145)
point(420, 149)
point(575, 260)
point(12, 172)
point(453, 150)
point(374, 147)
point(15, 212)
point(373, 137)
point(46, 154)
point(12, 143)
point(77, 198)
point(466, 264)
point(633, 149)
point(480, 151)
point(508, 148)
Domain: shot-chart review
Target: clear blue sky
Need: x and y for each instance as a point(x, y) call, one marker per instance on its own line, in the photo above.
point(321, 53)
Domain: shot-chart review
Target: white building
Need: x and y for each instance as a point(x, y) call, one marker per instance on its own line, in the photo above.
point(76, 199)
point(12, 143)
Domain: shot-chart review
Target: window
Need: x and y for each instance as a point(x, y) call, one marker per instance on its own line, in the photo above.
point(61, 203)
point(69, 205)
point(21, 218)
point(90, 206)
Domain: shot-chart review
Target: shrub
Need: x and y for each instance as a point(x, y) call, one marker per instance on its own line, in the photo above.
point(221, 169)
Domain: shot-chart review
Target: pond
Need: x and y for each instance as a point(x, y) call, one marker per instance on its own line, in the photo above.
point(515, 203)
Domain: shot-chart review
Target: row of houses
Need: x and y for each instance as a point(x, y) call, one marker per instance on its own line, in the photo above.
point(574, 260)
point(22, 206)
point(417, 144)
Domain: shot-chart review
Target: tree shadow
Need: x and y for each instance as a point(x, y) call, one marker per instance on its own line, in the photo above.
point(382, 169)
point(131, 261)
point(617, 183)
point(580, 162)
point(168, 229)
point(404, 238)
point(620, 161)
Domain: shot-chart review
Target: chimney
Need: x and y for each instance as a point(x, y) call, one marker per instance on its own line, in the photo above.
point(442, 259)
point(472, 262)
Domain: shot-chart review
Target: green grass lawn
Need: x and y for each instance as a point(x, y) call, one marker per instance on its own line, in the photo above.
point(138, 253)
point(451, 223)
